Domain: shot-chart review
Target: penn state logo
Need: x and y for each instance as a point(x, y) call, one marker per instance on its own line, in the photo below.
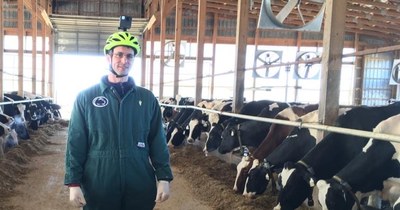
point(100, 101)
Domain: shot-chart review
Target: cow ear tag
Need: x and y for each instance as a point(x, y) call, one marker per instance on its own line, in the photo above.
point(140, 103)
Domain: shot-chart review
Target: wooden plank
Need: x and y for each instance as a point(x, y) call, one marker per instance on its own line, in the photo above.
point(201, 26)
point(214, 43)
point(240, 63)
point(331, 63)
point(34, 22)
point(44, 34)
point(178, 32)
point(20, 15)
point(163, 28)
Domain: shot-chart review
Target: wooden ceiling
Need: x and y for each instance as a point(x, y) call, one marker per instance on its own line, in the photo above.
point(377, 18)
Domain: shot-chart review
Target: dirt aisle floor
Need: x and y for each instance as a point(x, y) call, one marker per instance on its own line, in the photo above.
point(40, 186)
point(31, 178)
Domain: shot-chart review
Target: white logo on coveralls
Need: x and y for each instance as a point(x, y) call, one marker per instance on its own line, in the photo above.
point(100, 101)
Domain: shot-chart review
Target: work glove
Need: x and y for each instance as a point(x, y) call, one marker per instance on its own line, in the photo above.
point(162, 191)
point(76, 197)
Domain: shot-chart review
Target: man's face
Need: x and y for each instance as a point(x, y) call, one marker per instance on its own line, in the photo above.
point(121, 59)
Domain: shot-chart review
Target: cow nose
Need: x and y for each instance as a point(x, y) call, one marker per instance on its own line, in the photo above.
point(190, 140)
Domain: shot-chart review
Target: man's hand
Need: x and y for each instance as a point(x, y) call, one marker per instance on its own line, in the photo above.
point(162, 191)
point(76, 197)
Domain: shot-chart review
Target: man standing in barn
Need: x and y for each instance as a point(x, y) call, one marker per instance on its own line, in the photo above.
point(117, 157)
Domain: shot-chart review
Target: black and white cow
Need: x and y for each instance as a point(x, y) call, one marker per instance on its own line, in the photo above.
point(366, 173)
point(198, 124)
point(329, 156)
point(275, 136)
point(240, 133)
point(293, 148)
point(178, 121)
point(218, 123)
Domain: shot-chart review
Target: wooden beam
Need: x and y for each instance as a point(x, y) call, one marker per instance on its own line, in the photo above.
point(214, 44)
point(34, 22)
point(241, 45)
point(44, 34)
point(21, 34)
point(331, 64)
point(178, 32)
point(163, 27)
point(39, 11)
point(201, 26)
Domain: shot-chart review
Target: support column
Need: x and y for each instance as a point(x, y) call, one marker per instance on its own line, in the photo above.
point(241, 44)
point(331, 63)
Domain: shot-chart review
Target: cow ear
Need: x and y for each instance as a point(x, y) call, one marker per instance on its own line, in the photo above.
point(311, 182)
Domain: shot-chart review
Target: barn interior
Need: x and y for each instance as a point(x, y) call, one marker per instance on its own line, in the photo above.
point(359, 35)
point(336, 53)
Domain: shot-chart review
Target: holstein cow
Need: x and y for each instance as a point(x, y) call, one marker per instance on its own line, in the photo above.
point(329, 156)
point(366, 173)
point(240, 133)
point(293, 148)
point(274, 137)
point(218, 123)
point(198, 124)
point(178, 120)
point(224, 106)
point(252, 108)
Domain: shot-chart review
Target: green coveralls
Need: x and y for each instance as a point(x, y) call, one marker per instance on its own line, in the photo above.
point(117, 148)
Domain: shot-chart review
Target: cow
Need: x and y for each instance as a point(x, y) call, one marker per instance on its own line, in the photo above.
point(198, 124)
point(293, 148)
point(8, 138)
point(17, 126)
point(218, 123)
point(177, 122)
point(223, 106)
point(252, 108)
point(240, 133)
point(329, 156)
point(274, 137)
point(378, 161)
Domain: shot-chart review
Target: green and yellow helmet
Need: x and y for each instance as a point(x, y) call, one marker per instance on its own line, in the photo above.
point(122, 38)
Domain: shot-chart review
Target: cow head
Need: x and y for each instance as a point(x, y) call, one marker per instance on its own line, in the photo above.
point(177, 136)
point(257, 179)
point(230, 138)
point(241, 173)
point(197, 126)
point(214, 138)
point(296, 185)
point(334, 196)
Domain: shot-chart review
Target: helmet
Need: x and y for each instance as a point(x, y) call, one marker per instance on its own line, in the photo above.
point(122, 38)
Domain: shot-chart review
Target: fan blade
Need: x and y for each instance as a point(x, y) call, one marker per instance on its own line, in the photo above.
point(282, 15)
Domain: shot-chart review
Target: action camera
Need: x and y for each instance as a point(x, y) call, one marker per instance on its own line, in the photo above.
point(125, 23)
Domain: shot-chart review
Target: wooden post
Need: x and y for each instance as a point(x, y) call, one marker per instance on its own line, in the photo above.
point(178, 31)
point(241, 44)
point(201, 27)
point(331, 62)
point(21, 34)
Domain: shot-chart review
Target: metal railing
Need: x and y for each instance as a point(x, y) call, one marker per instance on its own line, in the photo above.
point(354, 132)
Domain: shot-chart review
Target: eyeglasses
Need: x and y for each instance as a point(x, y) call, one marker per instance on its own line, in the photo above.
point(120, 55)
